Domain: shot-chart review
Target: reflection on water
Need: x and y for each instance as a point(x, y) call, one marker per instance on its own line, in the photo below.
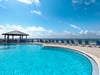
point(7, 47)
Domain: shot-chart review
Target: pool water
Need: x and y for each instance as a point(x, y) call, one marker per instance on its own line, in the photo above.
point(37, 60)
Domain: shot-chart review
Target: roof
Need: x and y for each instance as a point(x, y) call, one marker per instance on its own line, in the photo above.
point(16, 32)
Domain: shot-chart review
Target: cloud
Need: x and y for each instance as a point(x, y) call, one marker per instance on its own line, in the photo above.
point(29, 2)
point(75, 27)
point(87, 2)
point(98, 33)
point(86, 31)
point(67, 32)
point(36, 2)
point(33, 31)
point(77, 4)
point(41, 32)
point(36, 29)
point(26, 1)
point(36, 12)
point(83, 32)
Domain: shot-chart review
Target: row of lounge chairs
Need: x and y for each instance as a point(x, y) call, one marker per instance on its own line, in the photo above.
point(75, 43)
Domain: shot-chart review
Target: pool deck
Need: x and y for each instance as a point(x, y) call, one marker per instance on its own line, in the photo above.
point(92, 52)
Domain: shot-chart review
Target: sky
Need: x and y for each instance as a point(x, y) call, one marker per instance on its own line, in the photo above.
point(51, 18)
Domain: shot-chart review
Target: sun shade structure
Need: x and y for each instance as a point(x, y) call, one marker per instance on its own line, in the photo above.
point(14, 33)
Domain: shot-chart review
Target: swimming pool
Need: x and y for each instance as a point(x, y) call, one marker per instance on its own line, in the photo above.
point(37, 60)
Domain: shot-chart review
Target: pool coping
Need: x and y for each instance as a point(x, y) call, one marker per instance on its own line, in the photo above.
point(93, 59)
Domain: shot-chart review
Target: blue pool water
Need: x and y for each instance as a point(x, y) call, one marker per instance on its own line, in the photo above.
point(37, 60)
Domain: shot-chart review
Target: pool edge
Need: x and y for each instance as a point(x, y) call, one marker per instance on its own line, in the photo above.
point(91, 57)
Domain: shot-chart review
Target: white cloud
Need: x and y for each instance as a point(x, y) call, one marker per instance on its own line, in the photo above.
point(36, 2)
point(41, 32)
point(50, 31)
point(31, 30)
point(86, 31)
point(67, 32)
point(98, 33)
point(36, 12)
point(82, 2)
point(26, 1)
point(83, 32)
point(36, 29)
point(75, 27)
